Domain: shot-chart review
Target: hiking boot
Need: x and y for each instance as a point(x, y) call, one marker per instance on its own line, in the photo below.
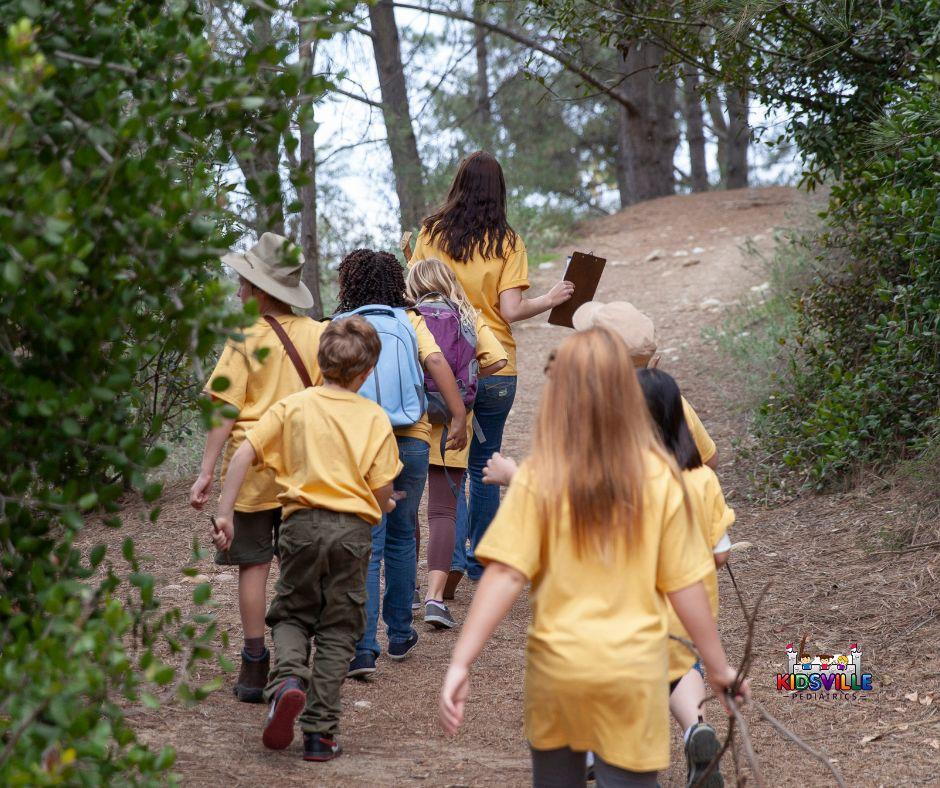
point(320, 747)
point(288, 701)
point(437, 615)
point(416, 600)
point(253, 677)
point(701, 746)
point(454, 576)
point(361, 665)
point(398, 651)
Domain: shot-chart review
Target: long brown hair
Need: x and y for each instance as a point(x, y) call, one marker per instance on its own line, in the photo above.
point(594, 434)
point(473, 217)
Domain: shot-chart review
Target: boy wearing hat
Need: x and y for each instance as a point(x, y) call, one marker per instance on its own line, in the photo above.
point(259, 371)
point(636, 330)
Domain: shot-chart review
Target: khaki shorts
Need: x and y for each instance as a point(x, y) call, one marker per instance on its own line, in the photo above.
point(255, 539)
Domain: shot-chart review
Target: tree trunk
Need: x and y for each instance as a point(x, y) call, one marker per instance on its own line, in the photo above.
point(406, 163)
point(307, 191)
point(739, 137)
point(648, 137)
point(695, 130)
point(720, 128)
point(484, 105)
point(261, 168)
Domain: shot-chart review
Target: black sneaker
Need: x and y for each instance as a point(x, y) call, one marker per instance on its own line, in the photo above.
point(288, 701)
point(362, 665)
point(701, 746)
point(398, 651)
point(320, 747)
point(438, 615)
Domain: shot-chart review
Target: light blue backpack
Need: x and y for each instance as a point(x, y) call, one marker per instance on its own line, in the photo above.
point(397, 382)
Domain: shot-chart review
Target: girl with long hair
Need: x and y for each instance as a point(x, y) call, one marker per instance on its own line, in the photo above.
point(432, 280)
point(368, 277)
point(471, 235)
point(597, 521)
point(713, 517)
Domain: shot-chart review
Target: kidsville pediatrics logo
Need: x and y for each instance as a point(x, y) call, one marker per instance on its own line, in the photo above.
point(824, 676)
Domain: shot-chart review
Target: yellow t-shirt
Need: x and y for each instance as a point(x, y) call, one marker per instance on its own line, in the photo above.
point(254, 386)
point(426, 346)
point(329, 449)
point(483, 280)
point(703, 441)
point(597, 651)
point(713, 517)
point(489, 351)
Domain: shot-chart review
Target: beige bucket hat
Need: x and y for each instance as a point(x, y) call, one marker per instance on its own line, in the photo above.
point(624, 319)
point(274, 265)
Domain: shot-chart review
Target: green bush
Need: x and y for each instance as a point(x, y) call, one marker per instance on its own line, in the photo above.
point(115, 121)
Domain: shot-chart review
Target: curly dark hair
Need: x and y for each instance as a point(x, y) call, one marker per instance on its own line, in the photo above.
point(370, 277)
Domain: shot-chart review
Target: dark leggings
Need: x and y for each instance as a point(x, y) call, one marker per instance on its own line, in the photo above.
point(565, 768)
point(442, 515)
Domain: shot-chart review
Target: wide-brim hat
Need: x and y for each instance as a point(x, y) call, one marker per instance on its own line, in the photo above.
point(624, 319)
point(274, 265)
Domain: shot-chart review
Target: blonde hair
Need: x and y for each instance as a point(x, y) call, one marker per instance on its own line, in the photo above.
point(593, 437)
point(432, 276)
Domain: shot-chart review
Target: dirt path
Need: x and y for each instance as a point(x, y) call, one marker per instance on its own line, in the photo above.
point(826, 583)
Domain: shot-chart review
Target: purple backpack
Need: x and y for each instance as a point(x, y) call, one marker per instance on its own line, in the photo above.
point(458, 343)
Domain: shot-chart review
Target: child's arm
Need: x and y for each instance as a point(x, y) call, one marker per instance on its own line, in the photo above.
point(492, 369)
point(691, 605)
point(215, 440)
point(385, 497)
point(238, 467)
point(443, 376)
point(498, 590)
point(513, 307)
point(499, 470)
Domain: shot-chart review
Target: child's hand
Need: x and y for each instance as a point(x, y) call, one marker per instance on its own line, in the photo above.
point(223, 532)
point(453, 699)
point(721, 681)
point(199, 492)
point(560, 293)
point(457, 432)
point(499, 470)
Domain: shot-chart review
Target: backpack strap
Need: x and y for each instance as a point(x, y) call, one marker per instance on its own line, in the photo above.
point(291, 351)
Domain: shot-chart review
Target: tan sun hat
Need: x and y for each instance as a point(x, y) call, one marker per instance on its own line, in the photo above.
point(271, 266)
point(624, 319)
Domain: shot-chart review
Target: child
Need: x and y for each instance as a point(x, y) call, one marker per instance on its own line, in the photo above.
point(334, 457)
point(636, 329)
point(430, 282)
point(597, 521)
point(367, 277)
point(269, 273)
point(713, 517)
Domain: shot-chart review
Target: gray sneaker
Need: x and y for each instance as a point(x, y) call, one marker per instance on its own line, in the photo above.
point(701, 747)
point(438, 616)
point(416, 600)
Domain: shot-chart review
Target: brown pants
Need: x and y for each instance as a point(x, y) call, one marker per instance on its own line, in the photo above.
point(320, 594)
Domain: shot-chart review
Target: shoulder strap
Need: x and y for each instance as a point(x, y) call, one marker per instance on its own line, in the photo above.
point(292, 353)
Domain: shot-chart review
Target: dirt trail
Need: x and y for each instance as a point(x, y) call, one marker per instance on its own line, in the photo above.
point(826, 583)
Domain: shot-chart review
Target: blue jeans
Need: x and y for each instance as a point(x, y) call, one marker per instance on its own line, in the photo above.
point(394, 540)
point(494, 400)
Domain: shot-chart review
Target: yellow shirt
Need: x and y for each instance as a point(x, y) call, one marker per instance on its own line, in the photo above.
point(254, 386)
point(713, 518)
point(426, 346)
point(597, 642)
point(483, 280)
point(703, 441)
point(329, 449)
point(489, 351)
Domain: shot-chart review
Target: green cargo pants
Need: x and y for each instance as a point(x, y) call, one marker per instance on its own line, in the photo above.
point(320, 594)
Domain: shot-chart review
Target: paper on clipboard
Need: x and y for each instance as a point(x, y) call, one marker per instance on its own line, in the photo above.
point(584, 271)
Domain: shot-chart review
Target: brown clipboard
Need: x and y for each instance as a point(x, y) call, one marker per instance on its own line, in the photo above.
point(584, 270)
